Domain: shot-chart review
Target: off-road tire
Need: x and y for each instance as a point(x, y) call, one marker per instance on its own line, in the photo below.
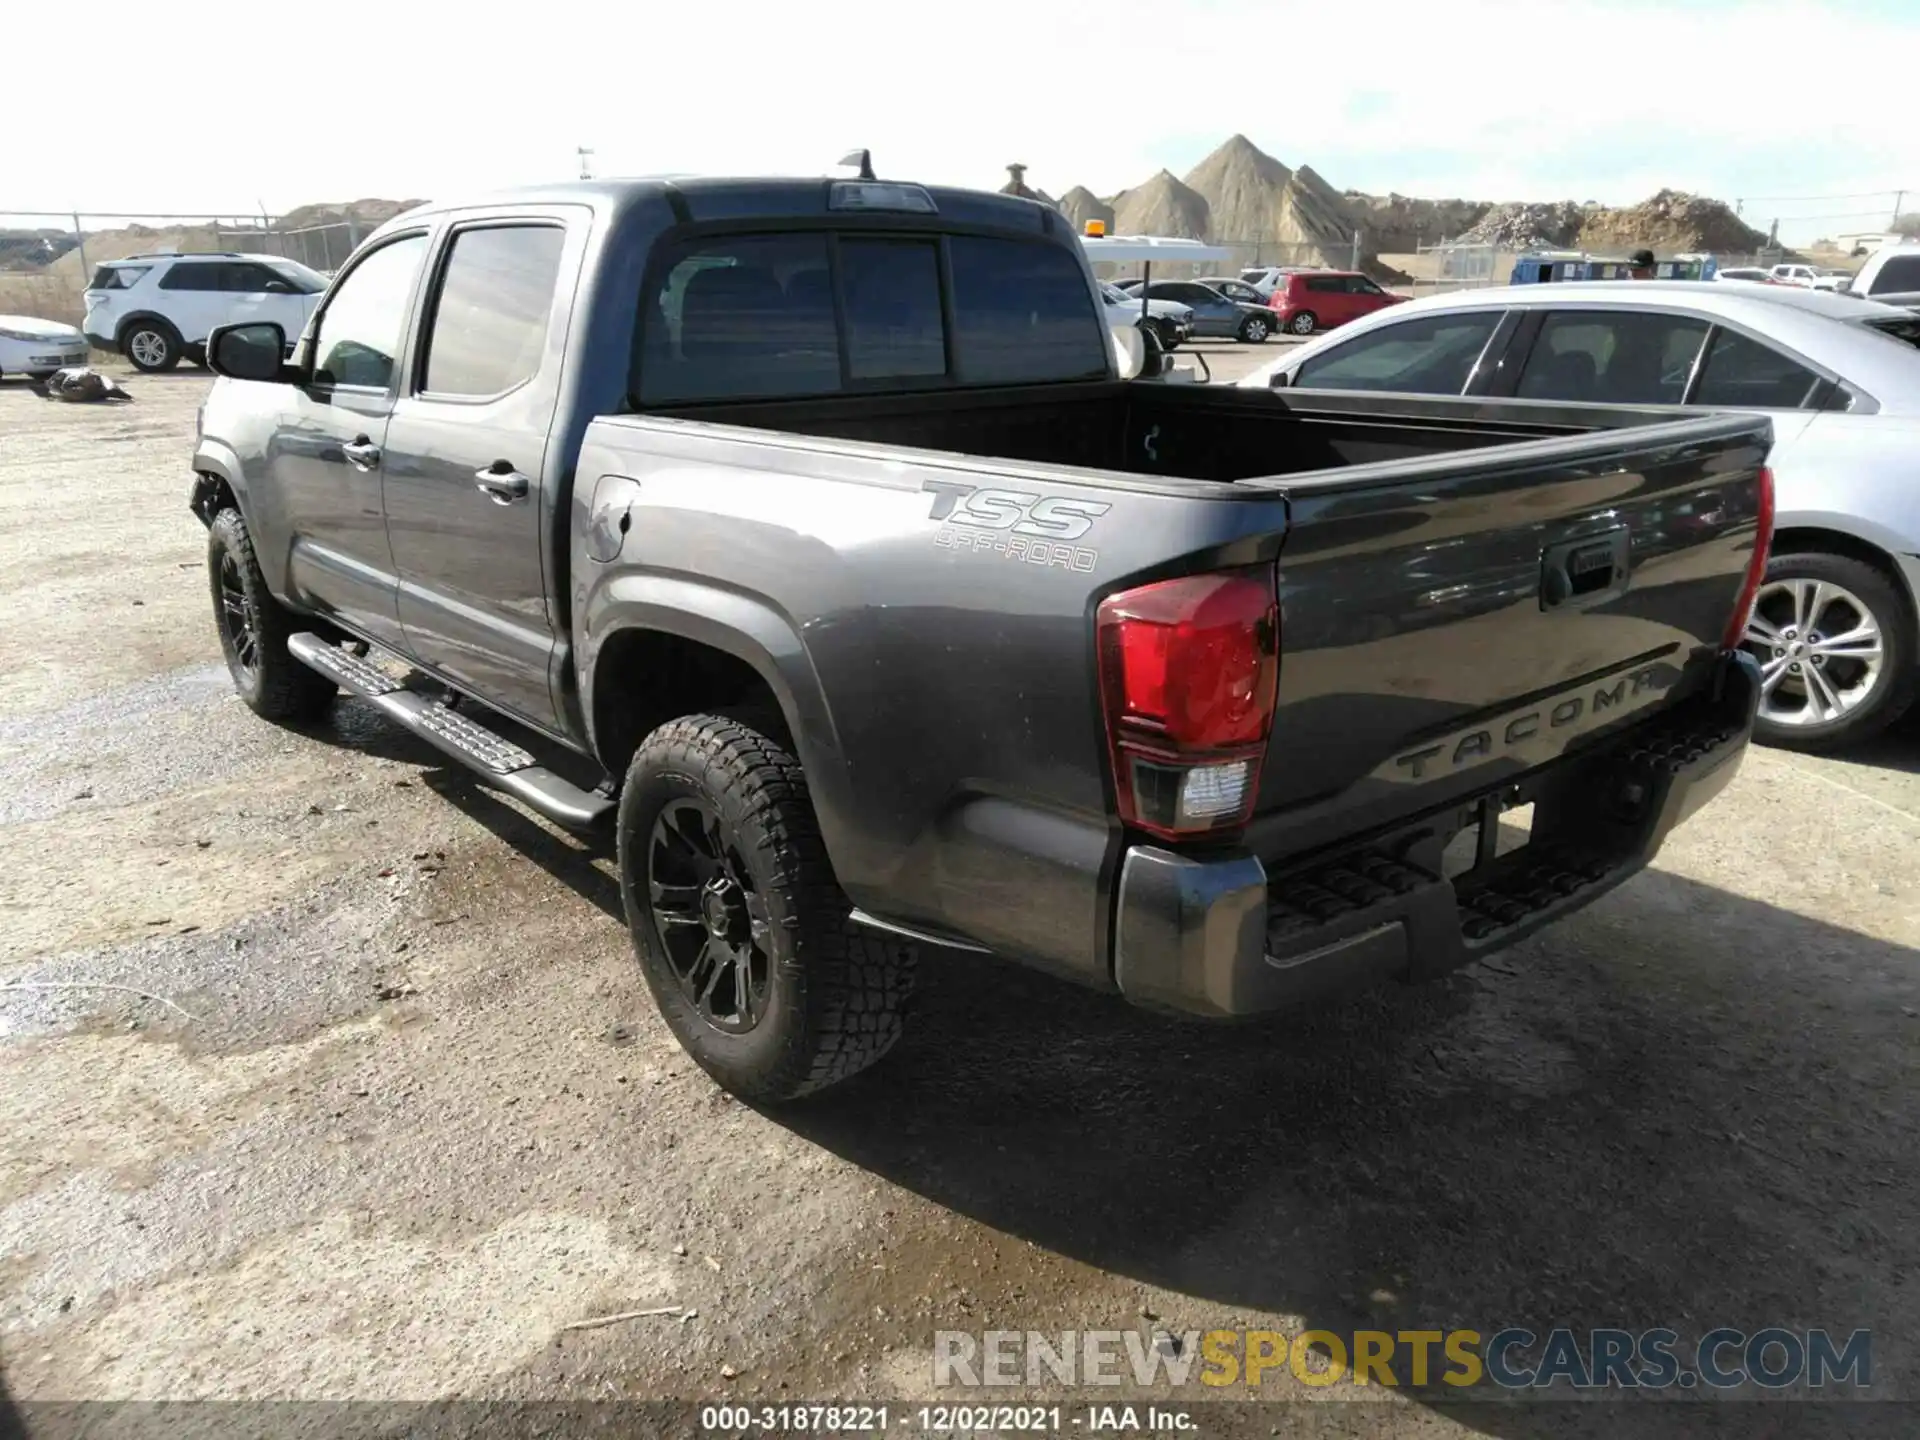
point(1900, 666)
point(157, 361)
point(838, 991)
point(276, 687)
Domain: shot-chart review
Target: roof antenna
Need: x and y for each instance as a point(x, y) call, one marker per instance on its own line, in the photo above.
point(862, 158)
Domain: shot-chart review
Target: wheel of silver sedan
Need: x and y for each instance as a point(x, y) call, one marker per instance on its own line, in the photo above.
point(1821, 650)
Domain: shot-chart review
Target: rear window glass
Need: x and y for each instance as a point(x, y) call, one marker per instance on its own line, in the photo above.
point(894, 328)
point(1897, 273)
point(1739, 372)
point(1022, 313)
point(118, 277)
point(744, 316)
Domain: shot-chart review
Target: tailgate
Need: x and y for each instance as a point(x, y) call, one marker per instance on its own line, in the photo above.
point(1448, 623)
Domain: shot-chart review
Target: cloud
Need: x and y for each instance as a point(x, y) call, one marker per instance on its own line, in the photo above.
point(1559, 99)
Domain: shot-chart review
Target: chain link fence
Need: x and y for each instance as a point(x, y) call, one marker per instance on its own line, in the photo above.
point(47, 259)
point(1243, 255)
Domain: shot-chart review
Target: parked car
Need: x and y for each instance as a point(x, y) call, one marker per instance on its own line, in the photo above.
point(1811, 277)
point(871, 608)
point(1170, 321)
point(1265, 279)
point(1323, 299)
point(37, 348)
point(1891, 276)
point(1214, 315)
point(1234, 289)
point(1752, 274)
point(1840, 377)
point(157, 310)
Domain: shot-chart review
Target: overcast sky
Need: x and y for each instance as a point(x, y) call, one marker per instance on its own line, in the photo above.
point(217, 106)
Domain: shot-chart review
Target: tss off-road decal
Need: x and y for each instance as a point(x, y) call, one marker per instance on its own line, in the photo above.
point(1015, 524)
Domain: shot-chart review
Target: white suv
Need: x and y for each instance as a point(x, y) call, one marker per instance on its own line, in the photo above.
point(157, 309)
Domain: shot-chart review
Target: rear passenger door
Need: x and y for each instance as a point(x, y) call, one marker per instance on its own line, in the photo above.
point(469, 497)
point(1331, 303)
point(194, 297)
point(1611, 357)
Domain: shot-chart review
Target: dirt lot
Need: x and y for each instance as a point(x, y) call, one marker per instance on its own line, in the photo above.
point(422, 1115)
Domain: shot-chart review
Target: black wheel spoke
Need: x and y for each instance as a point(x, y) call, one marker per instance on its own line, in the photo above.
point(712, 924)
point(236, 614)
point(759, 922)
point(743, 990)
point(680, 901)
point(715, 959)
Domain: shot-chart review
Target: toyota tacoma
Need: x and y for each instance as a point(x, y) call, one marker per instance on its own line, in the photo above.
point(819, 538)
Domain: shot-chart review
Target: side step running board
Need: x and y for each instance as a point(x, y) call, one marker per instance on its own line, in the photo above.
point(493, 757)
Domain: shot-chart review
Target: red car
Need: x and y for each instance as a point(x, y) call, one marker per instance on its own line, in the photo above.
point(1313, 300)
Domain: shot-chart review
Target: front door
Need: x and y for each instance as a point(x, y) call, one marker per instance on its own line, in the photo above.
point(468, 497)
point(326, 453)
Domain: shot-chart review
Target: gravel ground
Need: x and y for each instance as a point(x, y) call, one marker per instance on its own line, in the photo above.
point(400, 1110)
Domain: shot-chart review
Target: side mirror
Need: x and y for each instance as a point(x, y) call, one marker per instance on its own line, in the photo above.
point(1129, 350)
point(254, 350)
point(1280, 380)
point(279, 287)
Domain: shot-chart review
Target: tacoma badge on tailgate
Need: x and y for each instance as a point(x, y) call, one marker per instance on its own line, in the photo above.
point(1545, 727)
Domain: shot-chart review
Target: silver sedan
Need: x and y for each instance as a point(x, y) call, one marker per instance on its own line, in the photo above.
point(1834, 627)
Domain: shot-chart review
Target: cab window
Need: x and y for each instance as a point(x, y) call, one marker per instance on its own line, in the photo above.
point(358, 338)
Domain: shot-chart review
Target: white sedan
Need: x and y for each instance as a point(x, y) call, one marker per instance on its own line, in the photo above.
point(38, 347)
point(1836, 627)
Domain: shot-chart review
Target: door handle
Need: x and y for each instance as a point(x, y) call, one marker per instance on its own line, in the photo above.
point(502, 483)
point(363, 453)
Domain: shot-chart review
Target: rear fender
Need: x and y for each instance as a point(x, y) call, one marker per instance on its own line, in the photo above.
point(749, 629)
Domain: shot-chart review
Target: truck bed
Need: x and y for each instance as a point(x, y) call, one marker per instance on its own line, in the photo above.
point(964, 780)
point(1193, 432)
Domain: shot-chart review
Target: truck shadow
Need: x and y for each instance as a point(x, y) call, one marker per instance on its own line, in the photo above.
point(1627, 1123)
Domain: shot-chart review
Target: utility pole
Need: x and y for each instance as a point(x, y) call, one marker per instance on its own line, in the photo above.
point(586, 155)
point(1899, 199)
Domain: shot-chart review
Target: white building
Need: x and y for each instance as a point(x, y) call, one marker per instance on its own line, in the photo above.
point(1868, 243)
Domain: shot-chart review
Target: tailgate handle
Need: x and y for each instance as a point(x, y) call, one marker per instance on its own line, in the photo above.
point(1585, 571)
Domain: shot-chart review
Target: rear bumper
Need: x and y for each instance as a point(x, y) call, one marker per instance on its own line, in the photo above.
point(1222, 938)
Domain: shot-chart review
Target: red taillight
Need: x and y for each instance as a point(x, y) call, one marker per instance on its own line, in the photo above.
point(1188, 670)
point(1756, 564)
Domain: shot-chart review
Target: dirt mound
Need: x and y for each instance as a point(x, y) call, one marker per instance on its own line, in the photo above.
point(1252, 197)
point(32, 249)
point(1080, 205)
point(366, 213)
point(1242, 186)
point(1162, 206)
point(1522, 226)
point(1672, 220)
point(1396, 224)
point(136, 240)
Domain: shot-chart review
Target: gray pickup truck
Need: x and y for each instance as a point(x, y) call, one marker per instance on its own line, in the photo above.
point(812, 535)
